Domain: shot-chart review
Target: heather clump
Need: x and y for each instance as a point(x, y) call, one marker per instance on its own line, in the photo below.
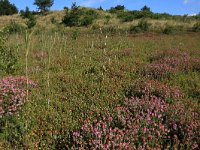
point(141, 123)
point(165, 64)
point(153, 88)
point(148, 118)
point(13, 93)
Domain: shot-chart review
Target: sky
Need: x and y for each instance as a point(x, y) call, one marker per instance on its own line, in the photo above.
point(175, 7)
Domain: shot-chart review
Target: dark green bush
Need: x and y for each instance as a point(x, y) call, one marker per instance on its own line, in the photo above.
point(53, 20)
point(79, 17)
point(196, 27)
point(125, 16)
point(31, 22)
point(6, 8)
point(87, 20)
point(169, 30)
point(14, 27)
point(26, 13)
point(109, 29)
point(134, 29)
point(143, 26)
point(117, 9)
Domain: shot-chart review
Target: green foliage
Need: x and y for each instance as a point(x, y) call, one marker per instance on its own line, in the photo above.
point(117, 9)
point(142, 26)
point(75, 34)
point(15, 130)
point(14, 27)
point(168, 29)
point(79, 17)
point(100, 8)
point(26, 14)
point(6, 8)
point(125, 16)
point(44, 5)
point(196, 27)
point(31, 22)
point(108, 17)
point(8, 58)
point(53, 20)
point(145, 8)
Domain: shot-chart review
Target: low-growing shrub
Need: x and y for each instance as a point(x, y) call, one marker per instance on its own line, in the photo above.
point(152, 87)
point(196, 27)
point(53, 20)
point(164, 64)
point(31, 22)
point(8, 57)
point(13, 93)
point(142, 26)
point(14, 27)
point(169, 30)
point(141, 123)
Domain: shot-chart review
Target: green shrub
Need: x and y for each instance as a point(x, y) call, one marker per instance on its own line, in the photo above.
point(87, 20)
point(75, 34)
point(14, 27)
point(117, 9)
point(31, 22)
point(26, 14)
point(53, 20)
point(79, 17)
point(72, 18)
point(8, 57)
point(169, 30)
point(109, 29)
point(196, 27)
point(134, 29)
point(143, 26)
point(125, 16)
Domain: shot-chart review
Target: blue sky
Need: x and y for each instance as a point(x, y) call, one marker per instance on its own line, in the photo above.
point(170, 6)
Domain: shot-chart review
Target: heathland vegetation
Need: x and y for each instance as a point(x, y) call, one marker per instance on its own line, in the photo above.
point(85, 78)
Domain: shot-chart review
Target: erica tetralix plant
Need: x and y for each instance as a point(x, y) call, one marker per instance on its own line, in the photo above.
point(13, 93)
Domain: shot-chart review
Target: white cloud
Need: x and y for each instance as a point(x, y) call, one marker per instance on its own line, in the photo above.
point(186, 1)
point(90, 3)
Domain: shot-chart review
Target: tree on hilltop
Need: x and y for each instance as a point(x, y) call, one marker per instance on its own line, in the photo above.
point(44, 5)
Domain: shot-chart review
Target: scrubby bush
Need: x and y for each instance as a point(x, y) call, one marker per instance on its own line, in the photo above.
point(53, 20)
point(14, 27)
point(31, 22)
point(142, 26)
point(117, 9)
point(79, 17)
point(26, 14)
point(196, 27)
point(169, 29)
point(125, 16)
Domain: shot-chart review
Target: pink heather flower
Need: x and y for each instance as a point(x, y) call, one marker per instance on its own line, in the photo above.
point(175, 126)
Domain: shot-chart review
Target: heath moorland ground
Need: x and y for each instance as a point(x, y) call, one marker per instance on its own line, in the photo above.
point(81, 88)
